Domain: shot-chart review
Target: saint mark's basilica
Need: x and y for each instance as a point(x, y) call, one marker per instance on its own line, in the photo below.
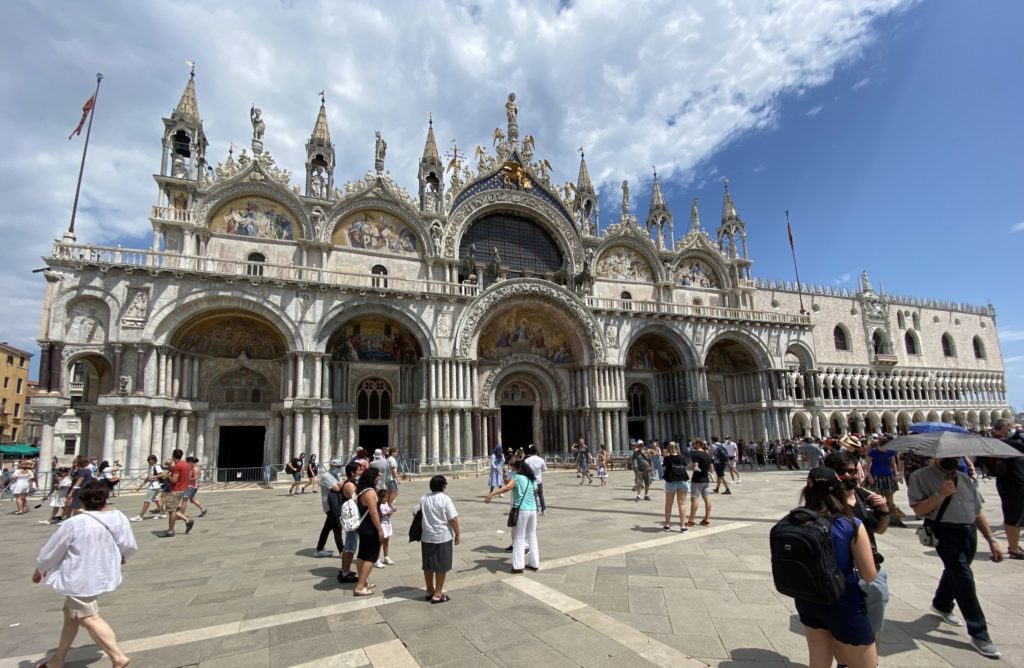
point(268, 319)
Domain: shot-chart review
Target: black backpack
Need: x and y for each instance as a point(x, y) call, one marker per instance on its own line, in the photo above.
point(803, 558)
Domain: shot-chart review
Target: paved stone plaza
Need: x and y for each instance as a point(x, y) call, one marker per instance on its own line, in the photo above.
point(244, 589)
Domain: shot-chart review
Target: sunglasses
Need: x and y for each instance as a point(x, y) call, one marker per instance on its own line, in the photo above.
point(848, 472)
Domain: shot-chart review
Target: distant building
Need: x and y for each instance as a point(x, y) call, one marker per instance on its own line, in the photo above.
point(14, 364)
point(33, 423)
point(268, 319)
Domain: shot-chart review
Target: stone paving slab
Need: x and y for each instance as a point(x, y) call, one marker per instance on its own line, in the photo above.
point(613, 590)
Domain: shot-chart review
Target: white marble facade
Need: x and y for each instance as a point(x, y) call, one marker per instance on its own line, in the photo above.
point(268, 319)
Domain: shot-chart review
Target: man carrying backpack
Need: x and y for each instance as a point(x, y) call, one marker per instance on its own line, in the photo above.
point(721, 457)
point(348, 490)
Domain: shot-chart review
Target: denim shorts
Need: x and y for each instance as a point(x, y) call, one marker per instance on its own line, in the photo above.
point(680, 486)
point(351, 542)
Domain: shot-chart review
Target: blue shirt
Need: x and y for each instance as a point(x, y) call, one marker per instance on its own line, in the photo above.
point(843, 531)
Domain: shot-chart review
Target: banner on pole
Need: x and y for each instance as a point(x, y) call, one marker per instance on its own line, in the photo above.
point(86, 108)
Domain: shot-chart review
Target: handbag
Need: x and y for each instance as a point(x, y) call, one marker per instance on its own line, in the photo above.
point(416, 528)
point(925, 535)
point(513, 513)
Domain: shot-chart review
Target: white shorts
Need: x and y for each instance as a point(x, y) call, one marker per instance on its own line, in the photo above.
point(81, 606)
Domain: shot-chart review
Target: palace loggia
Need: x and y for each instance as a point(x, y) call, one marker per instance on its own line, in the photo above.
point(269, 318)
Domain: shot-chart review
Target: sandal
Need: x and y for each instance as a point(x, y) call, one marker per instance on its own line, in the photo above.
point(666, 528)
point(691, 523)
point(364, 592)
point(1015, 555)
point(444, 599)
point(705, 523)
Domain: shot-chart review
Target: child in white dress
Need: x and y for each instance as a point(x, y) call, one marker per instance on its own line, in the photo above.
point(386, 511)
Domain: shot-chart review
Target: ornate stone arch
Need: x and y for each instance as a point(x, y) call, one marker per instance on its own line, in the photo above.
point(640, 245)
point(469, 324)
point(756, 347)
point(166, 320)
point(707, 256)
point(803, 352)
point(342, 313)
point(378, 202)
point(541, 369)
point(672, 335)
point(267, 187)
point(537, 209)
point(66, 305)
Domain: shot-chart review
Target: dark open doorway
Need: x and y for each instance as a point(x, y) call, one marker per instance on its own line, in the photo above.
point(373, 436)
point(638, 429)
point(240, 451)
point(516, 426)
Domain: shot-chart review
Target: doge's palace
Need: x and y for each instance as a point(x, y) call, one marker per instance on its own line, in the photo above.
point(269, 318)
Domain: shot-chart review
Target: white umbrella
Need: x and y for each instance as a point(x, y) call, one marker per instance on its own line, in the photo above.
point(943, 444)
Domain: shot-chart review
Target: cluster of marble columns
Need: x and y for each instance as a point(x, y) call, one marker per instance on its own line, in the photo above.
point(144, 431)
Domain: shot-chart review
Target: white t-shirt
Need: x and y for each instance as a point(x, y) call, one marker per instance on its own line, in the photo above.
point(82, 558)
point(730, 448)
point(538, 466)
point(155, 470)
point(437, 509)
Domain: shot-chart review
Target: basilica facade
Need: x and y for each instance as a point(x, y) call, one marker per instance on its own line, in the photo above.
point(269, 318)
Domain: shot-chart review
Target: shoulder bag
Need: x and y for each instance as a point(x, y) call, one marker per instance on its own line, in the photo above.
point(924, 533)
point(513, 513)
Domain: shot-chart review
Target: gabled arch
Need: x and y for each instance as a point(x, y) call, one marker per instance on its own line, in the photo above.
point(372, 306)
point(165, 321)
point(385, 202)
point(645, 251)
point(707, 257)
point(539, 370)
point(267, 187)
point(670, 334)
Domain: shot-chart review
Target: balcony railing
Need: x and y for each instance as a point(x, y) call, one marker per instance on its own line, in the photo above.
point(252, 271)
point(694, 311)
point(172, 214)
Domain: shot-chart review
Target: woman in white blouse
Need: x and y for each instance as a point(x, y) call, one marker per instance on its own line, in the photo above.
point(440, 533)
point(83, 560)
point(21, 484)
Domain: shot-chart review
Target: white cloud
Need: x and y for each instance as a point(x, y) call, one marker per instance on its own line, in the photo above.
point(758, 169)
point(1011, 334)
point(815, 110)
point(1013, 360)
point(635, 83)
point(1019, 227)
point(843, 278)
point(860, 84)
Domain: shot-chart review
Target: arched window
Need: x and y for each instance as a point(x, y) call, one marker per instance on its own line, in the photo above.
point(637, 397)
point(901, 320)
point(979, 348)
point(878, 343)
point(380, 273)
point(841, 338)
point(626, 299)
point(374, 400)
point(910, 341)
point(916, 319)
point(256, 262)
point(948, 349)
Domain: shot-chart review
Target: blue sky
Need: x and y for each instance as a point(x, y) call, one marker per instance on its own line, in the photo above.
point(888, 128)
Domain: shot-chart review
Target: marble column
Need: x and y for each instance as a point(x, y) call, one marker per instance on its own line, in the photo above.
point(299, 441)
point(108, 435)
point(134, 459)
point(467, 435)
point(169, 436)
point(300, 375)
point(157, 434)
point(422, 453)
point(200, 450)
point(183, 435)
point(435, 438)
point(46, 449)
point(318, 378)
point(196, 364)
point(326, 445)
point(140, 370)
point(456, 437)
point(446, 437)
point(314, 434)
point(287, 429)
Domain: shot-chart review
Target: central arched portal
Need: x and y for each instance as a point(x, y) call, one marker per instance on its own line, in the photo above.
point(518, 399)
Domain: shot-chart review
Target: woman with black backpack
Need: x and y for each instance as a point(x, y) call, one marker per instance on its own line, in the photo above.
point(841, 630)
point(677, 485)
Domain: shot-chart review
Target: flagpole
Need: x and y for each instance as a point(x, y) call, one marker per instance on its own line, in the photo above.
point(85, 149)
point(796, 270)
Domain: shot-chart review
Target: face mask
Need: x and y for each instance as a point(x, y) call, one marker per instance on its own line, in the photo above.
point(949, 464)
point(336, 469)
point(850, 483)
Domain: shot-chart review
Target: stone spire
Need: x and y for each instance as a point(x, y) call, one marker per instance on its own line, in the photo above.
point(321, 133)
point(320, 157)
point(585, 204)
point(732, 232)
point(187, 110)
point(431, 175)
point(728, 208)
point(659, 217)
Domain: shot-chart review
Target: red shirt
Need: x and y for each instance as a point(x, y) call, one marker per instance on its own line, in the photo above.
point(183, 471)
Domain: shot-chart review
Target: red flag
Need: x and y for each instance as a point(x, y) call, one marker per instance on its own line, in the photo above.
point(86, 108)
point(789, 230)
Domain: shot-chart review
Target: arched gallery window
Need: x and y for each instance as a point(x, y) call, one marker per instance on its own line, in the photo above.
point(979, 348)
point(901, 320)
point(374, 400)
point(256, 262)
point(637, 397)
point(911, 343)
point(878, 343)
point(380, 273)
point(916, 319)
point(841, 338)
point(948, 349)
point(626, 299)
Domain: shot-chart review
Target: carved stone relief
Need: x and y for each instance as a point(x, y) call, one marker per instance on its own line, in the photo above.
point(552, 373)
point(135, 313)
point(611, 336)
point(443, 326)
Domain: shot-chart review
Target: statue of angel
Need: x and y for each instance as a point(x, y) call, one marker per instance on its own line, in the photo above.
point(258, 126)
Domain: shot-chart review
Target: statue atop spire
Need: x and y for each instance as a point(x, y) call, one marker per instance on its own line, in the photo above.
point(258, 128)
point(694, 214)
point(379, 150)
point(512, 113)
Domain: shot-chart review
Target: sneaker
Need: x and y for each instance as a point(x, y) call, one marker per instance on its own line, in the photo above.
point(48, 521)
point(162, 516)
point(155, 511)
point(137, 518)
point(189, 525)
point(948, 617)
point(387, 561)
point(986, 648)
point(378, 564)
point(683, 529)
point(347, 577)
point(666, 528)
point(323, 553)
point(202, 513)
point(728, 491)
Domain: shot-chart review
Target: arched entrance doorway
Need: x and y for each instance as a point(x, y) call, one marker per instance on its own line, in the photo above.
point(518, 401)
point(658, 391)
point(639, 410)
point(735, 389)
point(373, 411)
